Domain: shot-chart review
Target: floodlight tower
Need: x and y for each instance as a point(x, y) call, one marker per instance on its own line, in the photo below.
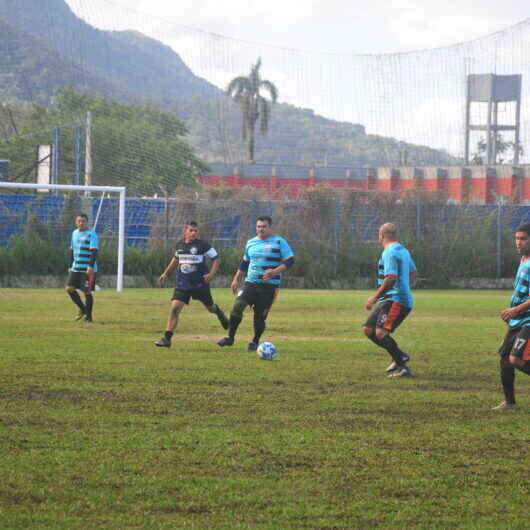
point(493, 89)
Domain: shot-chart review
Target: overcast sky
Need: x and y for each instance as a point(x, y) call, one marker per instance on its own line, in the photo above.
point(377, 26)
point(324, 54)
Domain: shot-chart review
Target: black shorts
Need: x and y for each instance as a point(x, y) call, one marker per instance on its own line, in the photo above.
point(258, 295)
point(203, 295)
point(387, 315)
point(82, 280)
point(516, 342)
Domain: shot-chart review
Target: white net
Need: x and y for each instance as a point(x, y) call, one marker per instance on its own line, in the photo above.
point(366, 110)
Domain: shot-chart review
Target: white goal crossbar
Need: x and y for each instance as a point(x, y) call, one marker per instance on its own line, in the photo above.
point(121, 212)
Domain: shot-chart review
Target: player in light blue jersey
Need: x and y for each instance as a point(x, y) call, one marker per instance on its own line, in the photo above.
point(392, 301)
point(515, 348)
point(84, 245)
point(266, 257)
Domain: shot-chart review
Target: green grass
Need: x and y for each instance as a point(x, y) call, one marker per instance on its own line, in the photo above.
point(98, 428)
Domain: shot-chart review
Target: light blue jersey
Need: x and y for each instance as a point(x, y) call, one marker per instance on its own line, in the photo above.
point(263, 254)
point(396, 259)
point(521, 293)
point(81, 244)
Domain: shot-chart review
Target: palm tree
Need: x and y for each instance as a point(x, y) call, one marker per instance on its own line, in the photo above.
point(254, 107)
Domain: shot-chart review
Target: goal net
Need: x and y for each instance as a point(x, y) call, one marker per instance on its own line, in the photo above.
point(39, 218)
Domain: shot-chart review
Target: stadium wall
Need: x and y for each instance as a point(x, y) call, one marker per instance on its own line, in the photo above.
point(463, 185)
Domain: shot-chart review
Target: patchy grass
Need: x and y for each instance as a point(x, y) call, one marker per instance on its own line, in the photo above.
point(100, 428)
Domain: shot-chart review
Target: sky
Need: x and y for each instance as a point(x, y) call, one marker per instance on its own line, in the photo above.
point(378, 26)
point(399, 69)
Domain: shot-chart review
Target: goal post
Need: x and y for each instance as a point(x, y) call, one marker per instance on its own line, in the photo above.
point(120, 190)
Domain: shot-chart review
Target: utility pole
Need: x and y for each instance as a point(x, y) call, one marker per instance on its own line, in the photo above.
point(88, 150)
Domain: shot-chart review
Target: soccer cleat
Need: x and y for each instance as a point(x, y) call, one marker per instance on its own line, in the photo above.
point(401, 371)
point(504, 405)
point(163, 343)
point(252, 346)
point(225, 341)
point(79, 315)
point(394, 366)
point(87, 318)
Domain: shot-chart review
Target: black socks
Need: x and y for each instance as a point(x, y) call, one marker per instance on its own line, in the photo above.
point(76, 299)
point(507, 380)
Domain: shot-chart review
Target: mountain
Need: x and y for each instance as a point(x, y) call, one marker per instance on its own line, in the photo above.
point(45, 46)
point(135, 63)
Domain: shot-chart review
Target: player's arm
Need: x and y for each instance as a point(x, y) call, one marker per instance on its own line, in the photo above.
point(241, 270)
point(169, 270)
point(216, 262)
point(287, 256)
point(412, 277)
point(285, 265)
point(70, 258)
point(92, 260)
point(388, 283)
point(512, 312)
point(94, 246)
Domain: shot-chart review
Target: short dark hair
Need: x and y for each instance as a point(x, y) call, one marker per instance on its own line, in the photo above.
point(82, 215)
point(525, 227)
point(192, 223)
point(266, 218)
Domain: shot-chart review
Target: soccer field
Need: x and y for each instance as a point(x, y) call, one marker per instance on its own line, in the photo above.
point(99, 427)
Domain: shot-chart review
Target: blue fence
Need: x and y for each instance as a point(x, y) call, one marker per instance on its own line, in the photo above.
point(155, 219)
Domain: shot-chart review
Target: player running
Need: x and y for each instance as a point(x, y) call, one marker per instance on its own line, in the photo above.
point(392, 300)
point(515, 348)
point(265, 258)
point(192, 279)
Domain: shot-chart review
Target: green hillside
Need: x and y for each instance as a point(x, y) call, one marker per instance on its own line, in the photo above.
point(45, 47)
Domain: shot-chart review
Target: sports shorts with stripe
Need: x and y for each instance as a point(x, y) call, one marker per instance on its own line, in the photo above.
point(387, 315)
point(516, 343)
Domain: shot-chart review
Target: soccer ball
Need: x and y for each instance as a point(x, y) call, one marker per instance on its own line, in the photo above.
point(266, 351)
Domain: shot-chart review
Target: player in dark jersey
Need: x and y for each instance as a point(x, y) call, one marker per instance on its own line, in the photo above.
point(265, 258)
point(392, 302)
point(515, 348)
point(84, 247)
point(192, 278)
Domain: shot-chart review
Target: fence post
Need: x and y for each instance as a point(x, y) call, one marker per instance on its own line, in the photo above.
point(418, 219)
point(499, 239)
point(338, 215)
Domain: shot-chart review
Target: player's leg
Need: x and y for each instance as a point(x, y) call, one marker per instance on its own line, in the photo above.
point(386, 325)
point(205, 296)
point(375, 330)
point(261, 311)
point(74, 283)
point(507, 370)
point(178, 301)
point(244, 299)
point(90, 286)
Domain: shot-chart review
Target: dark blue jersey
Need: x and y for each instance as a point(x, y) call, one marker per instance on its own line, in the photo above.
point(192, 265)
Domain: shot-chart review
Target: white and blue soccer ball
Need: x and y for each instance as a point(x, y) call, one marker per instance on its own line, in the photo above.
point(266, 351)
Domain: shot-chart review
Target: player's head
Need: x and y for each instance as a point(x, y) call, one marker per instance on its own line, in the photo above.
point(387, 233)
point(81, 221)
point(263, 226)
point(522, 239)
point(191, 231)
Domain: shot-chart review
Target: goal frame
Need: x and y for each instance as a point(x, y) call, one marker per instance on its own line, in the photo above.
point(121, 190)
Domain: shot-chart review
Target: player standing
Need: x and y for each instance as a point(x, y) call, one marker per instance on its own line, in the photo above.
point(265, 258)
point(392, 300)
point(84, 247)
point(515, 348)
point(192, 279)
